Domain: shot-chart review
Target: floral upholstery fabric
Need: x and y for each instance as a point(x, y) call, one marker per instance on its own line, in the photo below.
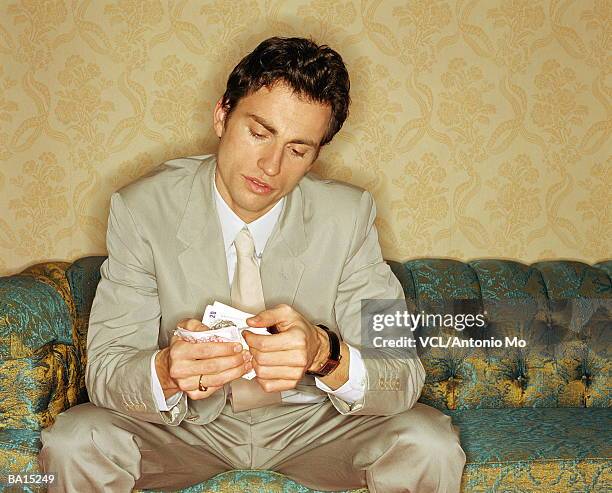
point(18, 455)
point(536, 449)
point(39, 366)
point(563, 310)
point(530, 419)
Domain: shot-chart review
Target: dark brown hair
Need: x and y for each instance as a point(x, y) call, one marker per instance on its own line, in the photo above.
point(315, 72)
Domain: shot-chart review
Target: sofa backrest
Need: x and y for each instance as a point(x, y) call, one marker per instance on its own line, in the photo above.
point(561, 308)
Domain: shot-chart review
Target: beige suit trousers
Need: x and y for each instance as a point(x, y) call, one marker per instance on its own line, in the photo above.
point(98, 450)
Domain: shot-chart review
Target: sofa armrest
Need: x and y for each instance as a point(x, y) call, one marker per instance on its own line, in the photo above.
point(40, 371)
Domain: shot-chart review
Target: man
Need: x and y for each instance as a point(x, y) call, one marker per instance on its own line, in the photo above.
point(251, 228)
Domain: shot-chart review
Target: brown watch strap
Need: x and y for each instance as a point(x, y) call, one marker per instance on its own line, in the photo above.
point(333, 360)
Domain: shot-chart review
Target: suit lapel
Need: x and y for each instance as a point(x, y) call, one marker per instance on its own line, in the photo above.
point(281, 269)
point(202, 259)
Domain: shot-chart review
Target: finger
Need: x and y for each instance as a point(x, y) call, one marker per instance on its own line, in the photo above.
point(290, 357)
point(204, 350)
point(226, 376)
point(280, 316)
point(192, 384)
point(278, 372)
point(183, 369)
point(212, 366)
point(282, 341)
point(192, 324)
point(198, 394)
point(276, 385)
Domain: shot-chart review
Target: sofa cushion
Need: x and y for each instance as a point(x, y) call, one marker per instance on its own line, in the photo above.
point(249, 481)
point(18, 455)
point(509, 435)
point(538, 449)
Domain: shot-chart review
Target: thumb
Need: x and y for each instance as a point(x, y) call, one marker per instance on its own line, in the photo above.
point(276, 319)
point(192, 325)
point(255, 323)
point(262, 319)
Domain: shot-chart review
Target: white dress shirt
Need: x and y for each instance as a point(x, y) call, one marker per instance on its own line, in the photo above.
point(261, 229)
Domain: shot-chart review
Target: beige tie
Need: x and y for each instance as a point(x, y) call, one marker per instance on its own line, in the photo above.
point(247, 295)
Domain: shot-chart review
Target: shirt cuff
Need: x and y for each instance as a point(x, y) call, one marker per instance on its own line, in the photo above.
point(158, 393)
point(354, 388)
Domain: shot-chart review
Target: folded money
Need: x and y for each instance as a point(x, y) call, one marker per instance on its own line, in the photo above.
point(226, 325)
point(224, 334)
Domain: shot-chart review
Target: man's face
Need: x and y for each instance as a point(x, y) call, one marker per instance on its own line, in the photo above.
point(268, 143)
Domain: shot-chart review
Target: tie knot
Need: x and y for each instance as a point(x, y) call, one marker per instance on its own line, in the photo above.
point(244, 244)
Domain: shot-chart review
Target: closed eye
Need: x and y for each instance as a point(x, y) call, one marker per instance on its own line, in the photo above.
point(262, 137)
point(256, 135)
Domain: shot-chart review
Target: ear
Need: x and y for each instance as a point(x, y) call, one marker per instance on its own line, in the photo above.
point(219, 115)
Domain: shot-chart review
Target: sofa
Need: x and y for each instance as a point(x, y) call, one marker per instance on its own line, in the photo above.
point(531, 419)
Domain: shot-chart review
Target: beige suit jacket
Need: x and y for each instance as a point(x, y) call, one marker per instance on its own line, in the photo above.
point(166, 262)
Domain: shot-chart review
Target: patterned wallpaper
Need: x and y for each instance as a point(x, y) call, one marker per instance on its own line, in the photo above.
point(482, 127)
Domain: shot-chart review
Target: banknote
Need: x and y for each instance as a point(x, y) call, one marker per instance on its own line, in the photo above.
point(226, 325)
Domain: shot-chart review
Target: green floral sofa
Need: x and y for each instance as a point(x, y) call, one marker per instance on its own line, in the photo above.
point(531, 419)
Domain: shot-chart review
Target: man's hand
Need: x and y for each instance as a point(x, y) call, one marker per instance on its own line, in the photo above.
point(180, 365)
point(280, 360)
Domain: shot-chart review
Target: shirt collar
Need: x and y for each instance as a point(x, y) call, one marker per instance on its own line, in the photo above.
point(231, 224)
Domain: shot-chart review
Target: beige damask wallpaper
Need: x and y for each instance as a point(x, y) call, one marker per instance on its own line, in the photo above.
point(482, 127)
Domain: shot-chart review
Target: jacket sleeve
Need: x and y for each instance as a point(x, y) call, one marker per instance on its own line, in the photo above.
point(124, 325)
point(394, 376)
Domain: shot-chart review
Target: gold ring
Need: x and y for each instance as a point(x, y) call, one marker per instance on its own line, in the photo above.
point(200, 386)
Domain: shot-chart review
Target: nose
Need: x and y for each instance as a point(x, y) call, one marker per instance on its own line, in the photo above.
point(270, 163)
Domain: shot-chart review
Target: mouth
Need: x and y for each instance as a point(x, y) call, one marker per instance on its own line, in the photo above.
point(257, 186)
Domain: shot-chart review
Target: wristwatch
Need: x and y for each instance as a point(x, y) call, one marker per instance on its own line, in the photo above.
point(333, 360)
